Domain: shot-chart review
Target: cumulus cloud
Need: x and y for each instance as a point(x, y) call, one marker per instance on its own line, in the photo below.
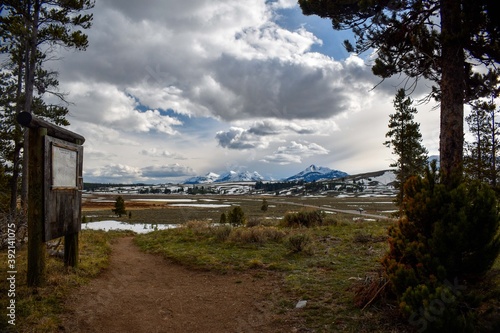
point(106, 105)
point(169, 79)
point(239, 138)
point(259, 134)
point(294, 152)
point(114, 173)
point(119, 173)
point(166, 171)
point(224, 59)
point(154, 152)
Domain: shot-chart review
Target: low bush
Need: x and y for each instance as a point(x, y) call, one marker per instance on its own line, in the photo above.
point(221, 233)
point(253, 222)
point(299, 243)
point(256, 235)
point(306, 219)
point(198, 227)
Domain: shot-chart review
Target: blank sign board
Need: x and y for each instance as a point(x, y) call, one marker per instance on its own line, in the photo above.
point(62, 186)
point(64, 167)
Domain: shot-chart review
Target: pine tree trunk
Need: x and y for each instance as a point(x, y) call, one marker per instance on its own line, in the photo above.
point(30, 66)
point(452, 92)
point(18, 143)
point(493, 149)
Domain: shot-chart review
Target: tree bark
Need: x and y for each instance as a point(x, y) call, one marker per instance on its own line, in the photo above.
point(18, 139)
point(30, 65)
point(452, 93)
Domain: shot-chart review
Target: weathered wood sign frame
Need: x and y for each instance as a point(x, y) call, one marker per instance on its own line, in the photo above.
point(62, 188)
point(55, 159)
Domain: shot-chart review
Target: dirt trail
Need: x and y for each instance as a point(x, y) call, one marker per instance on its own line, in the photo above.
point(140, 292)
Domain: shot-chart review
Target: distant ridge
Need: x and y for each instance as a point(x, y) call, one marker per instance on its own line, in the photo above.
point(207, 179)
point(233, 176)
point(229, 176)
point(310, 174)
point(314, 173)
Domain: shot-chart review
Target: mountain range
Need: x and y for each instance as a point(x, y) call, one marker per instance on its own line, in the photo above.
point(311, 173)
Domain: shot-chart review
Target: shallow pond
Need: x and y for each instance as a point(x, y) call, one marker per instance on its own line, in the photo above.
point(140, 228)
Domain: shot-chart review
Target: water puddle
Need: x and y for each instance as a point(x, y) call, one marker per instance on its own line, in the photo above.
point(140, 228)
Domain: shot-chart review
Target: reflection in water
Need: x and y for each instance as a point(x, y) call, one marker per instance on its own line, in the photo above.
point(140, 228)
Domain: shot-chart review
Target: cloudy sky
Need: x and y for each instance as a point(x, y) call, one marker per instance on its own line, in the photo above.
point(169, 89)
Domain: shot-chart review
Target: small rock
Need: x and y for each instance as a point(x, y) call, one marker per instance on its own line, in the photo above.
point(301, 304)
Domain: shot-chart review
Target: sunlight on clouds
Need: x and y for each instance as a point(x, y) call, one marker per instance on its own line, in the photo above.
point(239, 138)
point(119, 173)
point(116, 172)
point(166, 171)
point(282, 159)
point(294, 152)
point(153, 152)
point(238, 85)
point(106, 105)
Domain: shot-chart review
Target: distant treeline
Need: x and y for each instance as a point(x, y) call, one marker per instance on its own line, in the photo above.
point(276, 186)
point(95, 186)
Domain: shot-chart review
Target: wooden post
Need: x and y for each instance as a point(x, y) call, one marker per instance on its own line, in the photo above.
point(71, 250)
point(52, 212)
point(36, 246)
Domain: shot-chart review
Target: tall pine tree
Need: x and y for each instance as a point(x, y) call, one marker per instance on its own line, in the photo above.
point(29, 29)
point(482, 152)
point(439, 40)
point(406, 142)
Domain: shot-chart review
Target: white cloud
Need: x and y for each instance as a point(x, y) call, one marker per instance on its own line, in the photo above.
point(119, 173)
point(282, 159)
point(217, 83)
point(166, 171)
point(239, 138)
point(115, 173)
point(295, 152)
point(154, 152)
point(106, 105)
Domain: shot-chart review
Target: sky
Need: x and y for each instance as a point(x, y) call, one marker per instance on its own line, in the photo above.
point(172, 89)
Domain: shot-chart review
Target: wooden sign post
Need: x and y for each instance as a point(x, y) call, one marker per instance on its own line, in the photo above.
point(55, 160)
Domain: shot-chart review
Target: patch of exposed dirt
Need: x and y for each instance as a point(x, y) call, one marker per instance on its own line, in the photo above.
point(141, 292)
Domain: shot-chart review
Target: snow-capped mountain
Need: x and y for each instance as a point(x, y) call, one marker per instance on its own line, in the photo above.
point(230, 176)
point(207, 179)
point(233, 176)
point(313, 173)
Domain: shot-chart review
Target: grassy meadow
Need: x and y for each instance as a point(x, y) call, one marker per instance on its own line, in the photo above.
point(334, 266)
point(39, 309)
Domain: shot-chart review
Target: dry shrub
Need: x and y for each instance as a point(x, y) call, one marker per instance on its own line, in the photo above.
point(255, 263)
point(363, 238)
point(221, 232)
point(373, 287)
point(198, 227)
point(253, 222)
point(304, 218)
point(256, 235)
point(300, 243)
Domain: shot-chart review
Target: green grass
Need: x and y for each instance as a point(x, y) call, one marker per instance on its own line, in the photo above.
point(340, 255)
point(165, 213)
point(39, 309)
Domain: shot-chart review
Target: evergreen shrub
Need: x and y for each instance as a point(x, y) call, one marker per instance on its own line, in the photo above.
point(445, 242)
point(236, 216)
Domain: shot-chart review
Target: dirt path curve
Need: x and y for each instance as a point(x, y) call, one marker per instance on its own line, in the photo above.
point(140, 292)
